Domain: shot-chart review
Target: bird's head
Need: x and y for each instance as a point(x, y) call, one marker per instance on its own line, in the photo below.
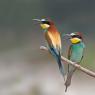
point(75, 37)
point(44, 23)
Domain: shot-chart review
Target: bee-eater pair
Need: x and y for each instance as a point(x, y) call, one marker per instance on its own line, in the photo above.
point(53, 38)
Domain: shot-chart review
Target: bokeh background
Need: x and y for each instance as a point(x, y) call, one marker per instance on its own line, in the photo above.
point(24, 68)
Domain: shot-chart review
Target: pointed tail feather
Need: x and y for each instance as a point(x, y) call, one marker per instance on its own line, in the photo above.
point(69, 77)
point(68, 81)
point(61, 67)
point(58, 58)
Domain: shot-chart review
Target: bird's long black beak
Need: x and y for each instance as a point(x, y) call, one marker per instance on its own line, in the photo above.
point(37, 20)
point(67, 35)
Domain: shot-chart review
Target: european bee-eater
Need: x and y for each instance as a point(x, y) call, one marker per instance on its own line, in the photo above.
point(75, 54)
point(53, 39)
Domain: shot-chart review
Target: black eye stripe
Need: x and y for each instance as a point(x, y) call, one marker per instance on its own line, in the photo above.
point(46, 22)
point(76, 36)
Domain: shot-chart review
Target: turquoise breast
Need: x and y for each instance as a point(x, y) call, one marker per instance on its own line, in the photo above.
point(77, 52)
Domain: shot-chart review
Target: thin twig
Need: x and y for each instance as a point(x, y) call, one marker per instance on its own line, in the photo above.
point(87, 71)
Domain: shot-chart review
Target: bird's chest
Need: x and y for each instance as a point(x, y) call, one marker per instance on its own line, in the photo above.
point(77, 53)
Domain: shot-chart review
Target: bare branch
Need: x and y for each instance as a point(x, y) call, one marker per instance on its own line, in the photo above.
point(87, 71)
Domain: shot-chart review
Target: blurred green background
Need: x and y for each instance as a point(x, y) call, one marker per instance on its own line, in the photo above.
point(24, 68)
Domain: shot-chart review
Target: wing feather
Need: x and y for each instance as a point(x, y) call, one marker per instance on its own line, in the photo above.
point(53, 39)
point(69, 52)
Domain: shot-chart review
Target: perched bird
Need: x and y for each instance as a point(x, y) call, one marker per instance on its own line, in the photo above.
point(75, 54)
point(53, 39)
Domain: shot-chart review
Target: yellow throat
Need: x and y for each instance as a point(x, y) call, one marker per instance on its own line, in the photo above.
point(75, 40)
point(44, 26)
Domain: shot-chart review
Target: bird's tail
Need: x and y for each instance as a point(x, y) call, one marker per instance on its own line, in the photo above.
point(58, 58)
point(69, 77)
point(61, 67)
